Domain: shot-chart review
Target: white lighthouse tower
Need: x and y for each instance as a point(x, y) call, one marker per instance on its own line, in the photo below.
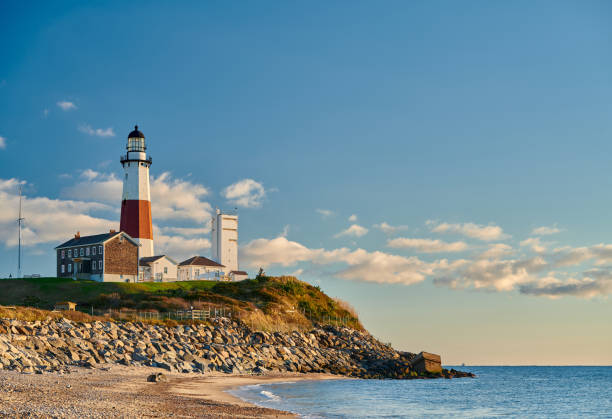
point(136, 202)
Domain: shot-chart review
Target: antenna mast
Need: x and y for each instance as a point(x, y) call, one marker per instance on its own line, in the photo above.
point(19, 221)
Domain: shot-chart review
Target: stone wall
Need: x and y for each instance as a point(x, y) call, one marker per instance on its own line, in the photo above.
point(120, 257)
point(226, 346)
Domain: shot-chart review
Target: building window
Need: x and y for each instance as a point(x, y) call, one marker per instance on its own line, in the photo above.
point(99, 264)
point(70, 267)
point(69, 253)
point(165, 269)
point(87, 251)
point(63, 268)
point(93, 250)
point(100, 250)
point(63, 254)
point(82, 251)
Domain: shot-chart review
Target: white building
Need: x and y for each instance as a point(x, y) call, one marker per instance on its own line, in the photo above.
point(200, 268)
point(158, 269)
point(225, 239)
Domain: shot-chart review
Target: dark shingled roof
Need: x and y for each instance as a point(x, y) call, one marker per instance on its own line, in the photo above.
point(200, 261)
point(85, 240)
point(136, 133)
point(146, 261)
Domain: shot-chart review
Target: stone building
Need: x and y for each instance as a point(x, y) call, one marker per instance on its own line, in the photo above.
point(108, 257)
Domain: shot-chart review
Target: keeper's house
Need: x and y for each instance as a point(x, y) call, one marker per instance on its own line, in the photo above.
point(109, 257)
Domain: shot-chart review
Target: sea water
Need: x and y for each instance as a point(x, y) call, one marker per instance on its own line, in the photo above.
point(526, 392)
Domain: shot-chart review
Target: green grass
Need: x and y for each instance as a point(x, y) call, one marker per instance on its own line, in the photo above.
point(266, 301)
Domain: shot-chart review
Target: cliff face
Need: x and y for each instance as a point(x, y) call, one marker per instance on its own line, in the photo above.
point(226, 346)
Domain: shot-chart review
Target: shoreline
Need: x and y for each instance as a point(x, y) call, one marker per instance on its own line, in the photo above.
point(218, 387)
point(116, 390)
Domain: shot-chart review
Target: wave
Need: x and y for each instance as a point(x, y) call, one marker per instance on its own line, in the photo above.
point(270, 395)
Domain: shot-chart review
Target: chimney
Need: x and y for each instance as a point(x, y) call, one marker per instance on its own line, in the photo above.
point(77, 235)
point(112, 231)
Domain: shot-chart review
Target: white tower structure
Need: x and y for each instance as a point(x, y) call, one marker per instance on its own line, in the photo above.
point(225, 239)
point(136, 202)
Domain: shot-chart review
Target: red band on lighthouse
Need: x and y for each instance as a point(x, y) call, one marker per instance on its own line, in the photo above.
point(136, 218)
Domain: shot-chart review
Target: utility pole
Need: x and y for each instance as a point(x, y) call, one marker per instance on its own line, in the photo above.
point(19, 222)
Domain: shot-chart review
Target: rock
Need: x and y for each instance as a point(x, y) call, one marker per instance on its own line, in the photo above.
point(156, 378)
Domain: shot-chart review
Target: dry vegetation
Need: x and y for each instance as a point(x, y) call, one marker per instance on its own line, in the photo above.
point(266, 303)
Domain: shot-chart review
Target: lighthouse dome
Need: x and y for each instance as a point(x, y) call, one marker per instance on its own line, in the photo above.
point(136, 133)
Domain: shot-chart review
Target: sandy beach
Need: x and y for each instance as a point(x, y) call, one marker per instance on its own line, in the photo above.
point(121, 391)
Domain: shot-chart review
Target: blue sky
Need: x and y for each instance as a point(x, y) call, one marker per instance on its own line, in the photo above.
point(466, 127)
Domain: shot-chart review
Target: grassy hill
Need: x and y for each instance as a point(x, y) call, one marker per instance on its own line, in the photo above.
point(269, 303)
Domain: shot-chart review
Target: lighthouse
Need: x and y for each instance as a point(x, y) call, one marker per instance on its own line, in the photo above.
point(136, 201)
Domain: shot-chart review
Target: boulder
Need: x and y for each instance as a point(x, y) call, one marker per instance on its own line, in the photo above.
point(156, 378)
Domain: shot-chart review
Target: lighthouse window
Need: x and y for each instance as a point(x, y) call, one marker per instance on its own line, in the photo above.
point(69, 253)
point(100, 250)
point(82, 251)
point(63, 255)
point(87, 251)
point(63, 269)
point(93, 250)
point(99, 264)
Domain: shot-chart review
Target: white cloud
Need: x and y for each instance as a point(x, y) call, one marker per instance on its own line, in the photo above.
point(359, 264)
point(354, 230)
point(475, 231)
point(177, 247)
point(593, 284)
point(427, 245)
point(246, 193)
point(278, 251)
point(353, 218)
point(389, 229)
point(544, 230)
point(95, 186)
point(48, 220)
point(494, 275)
point(496, 251)
point(534, 243)
point(99, 132)
point(177, 199)
point(2, 143)
point(325, 213)
point(186, 231)
point(66, 105)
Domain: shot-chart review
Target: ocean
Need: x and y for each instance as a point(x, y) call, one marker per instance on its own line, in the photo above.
point(525, 392)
